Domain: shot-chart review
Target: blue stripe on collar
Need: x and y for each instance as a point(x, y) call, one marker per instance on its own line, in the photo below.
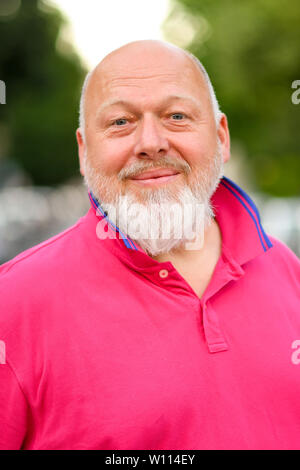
point(96, 205)
point(250, 207)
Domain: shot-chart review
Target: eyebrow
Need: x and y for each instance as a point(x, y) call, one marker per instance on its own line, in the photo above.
point(110, 103)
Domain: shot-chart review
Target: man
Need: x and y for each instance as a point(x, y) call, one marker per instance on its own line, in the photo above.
point(118, 339)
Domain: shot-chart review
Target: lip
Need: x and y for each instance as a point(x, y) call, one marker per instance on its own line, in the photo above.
point(155, 174)
point(158, 180)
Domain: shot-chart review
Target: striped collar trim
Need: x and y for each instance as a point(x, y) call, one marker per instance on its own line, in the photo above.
point(250, 207)
point(102, 214)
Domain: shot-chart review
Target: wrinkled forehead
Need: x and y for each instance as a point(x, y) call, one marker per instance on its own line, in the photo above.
point(141, 71)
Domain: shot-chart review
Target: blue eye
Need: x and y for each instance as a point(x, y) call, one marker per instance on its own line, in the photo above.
point(120, 122)
point(178, 116)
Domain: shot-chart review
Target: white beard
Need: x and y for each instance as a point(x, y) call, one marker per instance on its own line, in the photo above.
point(149, 227)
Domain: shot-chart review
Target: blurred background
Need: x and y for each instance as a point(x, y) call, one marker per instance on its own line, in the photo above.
point(251, 50)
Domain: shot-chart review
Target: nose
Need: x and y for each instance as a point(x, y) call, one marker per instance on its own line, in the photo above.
point(151, 141)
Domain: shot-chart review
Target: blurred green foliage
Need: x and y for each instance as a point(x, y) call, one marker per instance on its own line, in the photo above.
point(42, 93)
point(251, 50)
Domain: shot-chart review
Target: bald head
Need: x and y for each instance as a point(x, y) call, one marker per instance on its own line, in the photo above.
point(134, 58)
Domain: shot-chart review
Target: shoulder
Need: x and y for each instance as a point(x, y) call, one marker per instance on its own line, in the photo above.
point(39, 254)
point(36, 272)
point(29, 282)
point(283, 252)
point(284, 262)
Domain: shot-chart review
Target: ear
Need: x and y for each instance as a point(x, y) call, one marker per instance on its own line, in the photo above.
point(81, 149)
point(224, 137)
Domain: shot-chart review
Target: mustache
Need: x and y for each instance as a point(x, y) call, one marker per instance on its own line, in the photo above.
point(165, 162)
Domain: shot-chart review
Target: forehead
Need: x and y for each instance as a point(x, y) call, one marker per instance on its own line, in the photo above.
point(146, 76)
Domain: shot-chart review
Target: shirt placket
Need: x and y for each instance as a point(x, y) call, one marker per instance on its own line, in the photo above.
point(227, 270)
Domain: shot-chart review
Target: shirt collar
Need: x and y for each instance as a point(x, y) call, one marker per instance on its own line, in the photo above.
point(112, 228)
point(243, 237)
point(239, 221)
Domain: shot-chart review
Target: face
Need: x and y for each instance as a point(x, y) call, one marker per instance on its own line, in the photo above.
point(150, 130)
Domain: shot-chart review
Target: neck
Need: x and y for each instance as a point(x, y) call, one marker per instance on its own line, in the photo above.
point(197, 266)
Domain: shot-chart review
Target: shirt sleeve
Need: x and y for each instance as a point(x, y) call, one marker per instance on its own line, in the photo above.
point(13, 410)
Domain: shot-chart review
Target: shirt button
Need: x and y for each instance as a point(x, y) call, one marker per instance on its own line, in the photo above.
point(163, 273)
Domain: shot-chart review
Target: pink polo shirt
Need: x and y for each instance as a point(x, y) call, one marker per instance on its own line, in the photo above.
point(106, 348)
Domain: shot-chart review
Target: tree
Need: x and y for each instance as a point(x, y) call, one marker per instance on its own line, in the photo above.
point(251, 50)
point(42, 92)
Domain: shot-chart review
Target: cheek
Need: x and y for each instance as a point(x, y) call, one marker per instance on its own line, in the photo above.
point(109, 156)
point(196, 150)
